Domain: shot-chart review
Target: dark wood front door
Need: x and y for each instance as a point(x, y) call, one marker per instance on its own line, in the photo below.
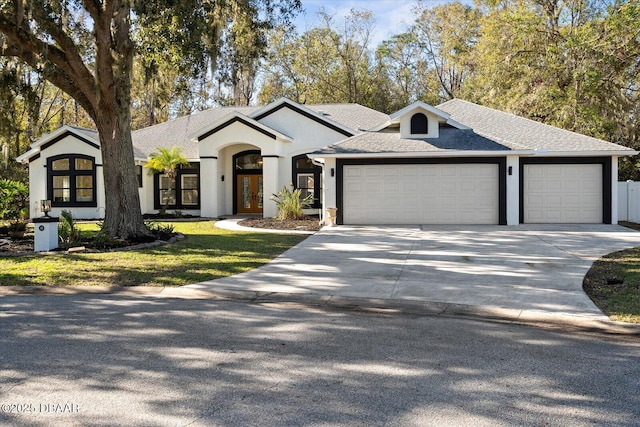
point(250, 195)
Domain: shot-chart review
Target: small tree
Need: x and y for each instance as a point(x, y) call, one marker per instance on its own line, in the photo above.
point(167, 162)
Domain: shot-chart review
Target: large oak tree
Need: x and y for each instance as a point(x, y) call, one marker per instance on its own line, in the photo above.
point(86, 48)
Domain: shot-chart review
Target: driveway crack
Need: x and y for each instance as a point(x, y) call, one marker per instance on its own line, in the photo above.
point(414, 239)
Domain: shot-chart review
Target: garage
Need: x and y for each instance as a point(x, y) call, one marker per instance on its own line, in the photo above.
point(563, 193)
point(451, 193)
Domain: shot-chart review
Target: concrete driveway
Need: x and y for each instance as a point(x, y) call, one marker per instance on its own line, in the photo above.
point(527, 267)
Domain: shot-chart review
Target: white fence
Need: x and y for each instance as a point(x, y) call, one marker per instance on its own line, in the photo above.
point(629, 201)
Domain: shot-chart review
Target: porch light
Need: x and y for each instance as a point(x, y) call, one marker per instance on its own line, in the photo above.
point(45, 206)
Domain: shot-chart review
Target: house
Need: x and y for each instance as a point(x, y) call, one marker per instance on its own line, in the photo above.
point(457, 163)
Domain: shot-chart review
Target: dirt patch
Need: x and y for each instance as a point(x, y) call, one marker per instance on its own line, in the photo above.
point(632, 225)
point(305, 224)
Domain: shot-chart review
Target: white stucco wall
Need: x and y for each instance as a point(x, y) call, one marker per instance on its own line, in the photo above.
point(432, 128)
point(38, 178)
point(307, 135)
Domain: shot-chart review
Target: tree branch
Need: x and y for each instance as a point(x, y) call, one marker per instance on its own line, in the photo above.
point(49, 59)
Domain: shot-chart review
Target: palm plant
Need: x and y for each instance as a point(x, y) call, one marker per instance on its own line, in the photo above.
point(167, 162)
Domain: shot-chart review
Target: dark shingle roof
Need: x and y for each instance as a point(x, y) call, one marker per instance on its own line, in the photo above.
point(89, 133)
point(391, 142)
point(519, 132)
point(176, 132)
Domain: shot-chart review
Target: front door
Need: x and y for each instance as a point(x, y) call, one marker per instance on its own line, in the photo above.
point(249, 193)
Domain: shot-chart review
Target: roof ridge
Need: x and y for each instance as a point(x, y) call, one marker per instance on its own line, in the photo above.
point(516, 116)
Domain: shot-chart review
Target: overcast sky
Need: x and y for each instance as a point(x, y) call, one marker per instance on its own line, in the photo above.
point(392, 16)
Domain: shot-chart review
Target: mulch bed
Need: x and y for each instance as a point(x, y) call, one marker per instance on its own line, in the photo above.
point(305, 224)
point(10, 245)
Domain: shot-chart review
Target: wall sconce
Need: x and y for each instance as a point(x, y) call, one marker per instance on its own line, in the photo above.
point(222, 178)
point(45, 206)
point(333, 172)
point(510, 170)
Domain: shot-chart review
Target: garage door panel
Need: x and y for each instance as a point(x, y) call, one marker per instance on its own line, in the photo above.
point(422, 194)
point(562, 193)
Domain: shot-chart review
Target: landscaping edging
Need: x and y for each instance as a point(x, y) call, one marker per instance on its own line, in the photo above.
point(78, 249)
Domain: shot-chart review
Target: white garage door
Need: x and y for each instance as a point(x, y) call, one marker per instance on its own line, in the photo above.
point(421, 194)
point(562, 193)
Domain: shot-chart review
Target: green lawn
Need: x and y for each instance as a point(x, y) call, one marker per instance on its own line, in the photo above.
point(206, 253)
point(619, 301)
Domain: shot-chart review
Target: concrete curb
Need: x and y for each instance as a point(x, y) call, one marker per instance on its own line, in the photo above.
point(601, 325)
point(233, 225)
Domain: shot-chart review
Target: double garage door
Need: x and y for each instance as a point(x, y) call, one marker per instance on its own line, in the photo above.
point(469, 193)
point(421, 194)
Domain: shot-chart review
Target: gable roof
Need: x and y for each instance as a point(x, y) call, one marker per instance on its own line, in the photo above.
point(88, 136)
point(318, 117)
point(474, 129)
point(519, 131)
point(177, 132)
point(245, 120)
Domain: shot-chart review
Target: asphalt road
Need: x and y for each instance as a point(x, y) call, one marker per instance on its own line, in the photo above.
point(111, 360)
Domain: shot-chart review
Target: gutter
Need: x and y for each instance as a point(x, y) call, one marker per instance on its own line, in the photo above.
point(429, 154)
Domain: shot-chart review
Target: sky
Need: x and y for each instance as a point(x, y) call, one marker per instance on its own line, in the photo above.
point(392, 16)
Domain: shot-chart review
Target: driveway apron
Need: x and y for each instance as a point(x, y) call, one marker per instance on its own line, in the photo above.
point(525, 267)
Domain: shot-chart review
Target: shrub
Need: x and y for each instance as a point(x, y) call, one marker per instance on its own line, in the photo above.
point(14, 200)
point(67, 230)
point(291, 203)
point(159, 231)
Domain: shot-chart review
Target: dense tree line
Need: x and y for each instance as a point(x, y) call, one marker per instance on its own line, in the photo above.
point(570, 63)
point(92, 50)
point(574, 64)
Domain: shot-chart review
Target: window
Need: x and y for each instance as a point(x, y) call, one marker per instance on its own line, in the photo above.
point(189, 189)
point(307, 177)
point(248, 161)
point(167, 191)
point(139, 175)
point(71, 181)
point(181, 193)
point(419, 124)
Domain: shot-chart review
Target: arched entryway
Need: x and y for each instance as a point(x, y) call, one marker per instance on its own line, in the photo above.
point(248, 183)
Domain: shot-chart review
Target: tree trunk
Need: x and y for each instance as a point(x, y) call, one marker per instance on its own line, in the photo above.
point(123, 217)
point(114, 64)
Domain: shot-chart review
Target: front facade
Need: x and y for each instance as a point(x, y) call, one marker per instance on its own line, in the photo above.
point(458, 163)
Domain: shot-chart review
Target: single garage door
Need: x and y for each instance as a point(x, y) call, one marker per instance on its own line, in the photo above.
point(421, 194)
point(562, 193)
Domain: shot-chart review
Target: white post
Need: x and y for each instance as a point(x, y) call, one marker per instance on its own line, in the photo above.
point(45, 234)
point(209, 187)
point(328, 188)
point(513, 190)
point(270, 166)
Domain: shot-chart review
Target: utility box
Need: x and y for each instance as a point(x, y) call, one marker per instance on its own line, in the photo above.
point(45, 234)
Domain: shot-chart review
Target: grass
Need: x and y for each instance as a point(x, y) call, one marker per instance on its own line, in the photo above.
point(613, 284)
point(206, 253)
